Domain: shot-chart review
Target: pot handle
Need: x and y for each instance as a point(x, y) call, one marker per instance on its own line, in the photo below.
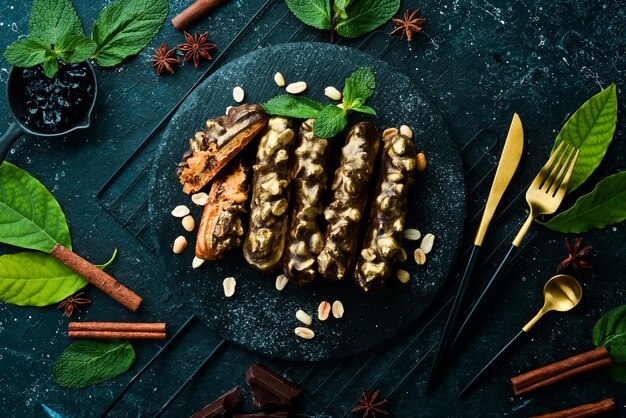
point(13, 132)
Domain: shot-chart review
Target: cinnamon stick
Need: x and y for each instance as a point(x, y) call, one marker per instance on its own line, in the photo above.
point(97, 277)
point(193, 13)
point(561, 370)
point(111, 335)
point(117, 326)
point(587, 410)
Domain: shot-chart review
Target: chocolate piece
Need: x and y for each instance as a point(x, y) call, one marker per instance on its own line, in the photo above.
point(269, 389)
point(222, 406)
point(275, 414)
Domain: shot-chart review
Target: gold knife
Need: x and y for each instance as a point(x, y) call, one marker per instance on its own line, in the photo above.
point(509, 160)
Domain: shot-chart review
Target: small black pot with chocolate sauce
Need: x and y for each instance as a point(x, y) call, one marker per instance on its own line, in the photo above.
point(45, 106)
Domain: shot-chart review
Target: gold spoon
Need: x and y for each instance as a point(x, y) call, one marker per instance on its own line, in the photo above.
point(561, 293)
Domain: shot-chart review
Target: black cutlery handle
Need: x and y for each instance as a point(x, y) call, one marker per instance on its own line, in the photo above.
point(493, 360)
point(457, 302)
point(474, 308)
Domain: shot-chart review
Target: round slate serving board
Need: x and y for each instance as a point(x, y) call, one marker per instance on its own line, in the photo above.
point(258, 316)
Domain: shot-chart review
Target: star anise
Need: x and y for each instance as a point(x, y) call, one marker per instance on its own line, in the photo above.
point(411, 25)
point(196, 47)
point(575, 256)
point(370, 404)
point(164, 59)
point(72, 303)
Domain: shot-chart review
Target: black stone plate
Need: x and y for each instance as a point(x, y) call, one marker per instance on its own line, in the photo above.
point(258, 316)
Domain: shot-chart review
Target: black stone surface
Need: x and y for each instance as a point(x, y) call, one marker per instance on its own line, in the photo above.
point(259, 317)
point(478, 62)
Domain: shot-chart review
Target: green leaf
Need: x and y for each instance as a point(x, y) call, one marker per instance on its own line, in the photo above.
point(292, 106)
point(610, 332)
point(50, 66)
point(340, 7)
point(125, 27)
point(364, 109)
point(329, 122)
point(617, 372)
point(360, 85)
point(314, 13)
point(36, 279)
point(604, 205)
point(26, 52)
point(591, 130)
point(75, 48)
point(108, 263)
point(366, 15)
point(51, 20)
point(85, 363)
point(30, 217)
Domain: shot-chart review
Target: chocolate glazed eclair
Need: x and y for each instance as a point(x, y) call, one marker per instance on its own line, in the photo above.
point(221, 227)
point(305, 240)
point(350, 189)
point(269, 215)
point(381, 249)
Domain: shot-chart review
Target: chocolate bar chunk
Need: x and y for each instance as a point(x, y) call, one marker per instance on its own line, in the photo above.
point(276, 414)
point(222, 405)
point(269, 389)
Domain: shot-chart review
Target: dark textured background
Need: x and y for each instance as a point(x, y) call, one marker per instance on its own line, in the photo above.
point(478, 62)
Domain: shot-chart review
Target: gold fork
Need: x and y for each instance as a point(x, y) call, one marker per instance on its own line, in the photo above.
point(544, 196)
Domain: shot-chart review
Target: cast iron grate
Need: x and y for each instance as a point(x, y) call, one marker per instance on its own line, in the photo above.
point(331, 386)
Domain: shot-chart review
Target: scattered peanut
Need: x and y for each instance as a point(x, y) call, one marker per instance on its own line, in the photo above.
point(197, 262)
point(281, 282)
point(188, 223)
point(389, 132)
point(420, 159)
point(180, 244)
point(304, 317)
point(420, 256)
point(332, 93)
point(339, 105)
point(337, 309)
point(403, 255)
point(180, 211)
point(323, 310)
point(229, 286)
point(412, 234)
point(279, 80)
point(200, 199)
point(406, 131)
point(305, 333)
point(427, 243)
point(403, 276)
point(238, 94)
point(296, 88)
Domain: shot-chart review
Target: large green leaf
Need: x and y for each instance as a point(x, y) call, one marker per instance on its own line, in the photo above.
point(314, 13)
point(610, 332)
point(604, 205)
point(591, 130)
point(52, 19)
point(86, 363)
point(125, 27)
point(292, 106)
point(26, 52)
point(36, 279)
point(30, 217)
point(366, 15)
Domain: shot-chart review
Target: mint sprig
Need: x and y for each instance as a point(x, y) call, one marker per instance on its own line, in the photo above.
point(350, 18)
point(55, 32)
point(330, 119)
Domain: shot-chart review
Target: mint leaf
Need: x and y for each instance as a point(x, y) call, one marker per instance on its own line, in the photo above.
point(365, 15)
point(591, 130)
point(329, 122)
point(604, 205)
point(51, 20)
point(74, 48)
point(30, 217)
point(26, 52)
point(36, 279)
point(617, 372)
point(360, 85)
point(292, 106)
point(50, 66)
point(610, 332)
point(125, 27)
point(314, 13)
point(364, 109)
point(85, 363)
point(340, 7)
